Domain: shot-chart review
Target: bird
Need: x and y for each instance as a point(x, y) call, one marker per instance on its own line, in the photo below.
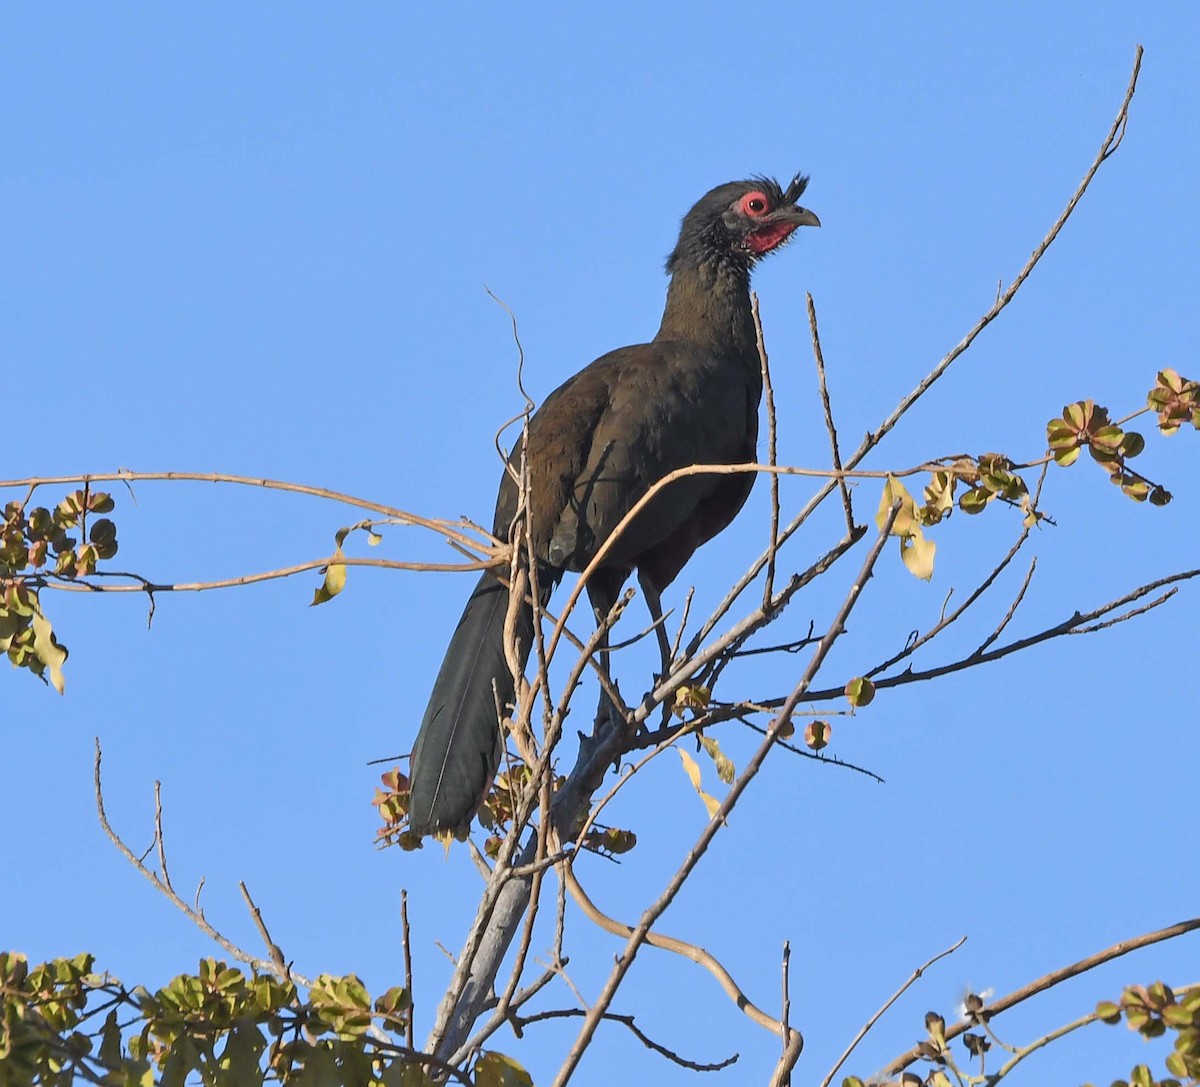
point(592, 450)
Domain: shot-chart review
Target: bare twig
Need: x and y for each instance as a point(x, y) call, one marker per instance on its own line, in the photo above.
point(516, 335)
point(158, 834)
point(772, 434)
point(1111, 142)
point(866, 1027)
point(786, 1010)
point(628, 1021)
point(406, 946)
point(193, 913)
point(823, 388)
point(272, 947)
point(698, 955)
point(144, 585)
point(1079, 623)
point(949, 618)
point(1012, 608)
point(446, 528)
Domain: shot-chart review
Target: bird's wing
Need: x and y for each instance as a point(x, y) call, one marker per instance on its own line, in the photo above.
point(605, 437)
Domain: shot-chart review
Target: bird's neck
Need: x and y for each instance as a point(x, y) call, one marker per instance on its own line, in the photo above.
point(709, 304)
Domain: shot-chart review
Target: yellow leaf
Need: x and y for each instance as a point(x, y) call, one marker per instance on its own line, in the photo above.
point(693, 772)
point(720, 760)
point(917, 553)
point(47, 650)
point(690, 698)
point(335, 582)
point(893, 489)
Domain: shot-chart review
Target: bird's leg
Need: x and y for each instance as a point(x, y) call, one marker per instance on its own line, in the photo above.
point(603, 596)
point(654, 605)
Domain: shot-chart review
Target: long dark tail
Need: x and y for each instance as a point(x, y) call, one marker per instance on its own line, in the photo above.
point(459, 745)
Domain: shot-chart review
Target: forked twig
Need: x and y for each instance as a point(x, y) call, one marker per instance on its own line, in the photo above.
point(193, 913)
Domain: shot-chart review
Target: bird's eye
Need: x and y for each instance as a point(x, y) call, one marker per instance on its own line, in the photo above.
point(755, 203)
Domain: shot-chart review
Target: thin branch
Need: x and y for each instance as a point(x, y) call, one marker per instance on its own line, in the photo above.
point(1079, 623)
point(687, 608)
point(1086, 1020)
point(786, 1010)
point(1055, 977)
point(1132, 613)
point(823, 388)
point(772, 435)
point(516, 335)
point(446, 528)
point(698, 955)
point(406, 946)
point(272, 947)
point(628, 1021)
point(1012, 608)
point(825, 760)
point(1111, 142)
point(866, 1027)
point(158, 834)
point(947, 619)
point(52, 581)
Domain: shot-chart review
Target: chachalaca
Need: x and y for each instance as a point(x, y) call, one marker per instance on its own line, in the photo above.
point(600, 440)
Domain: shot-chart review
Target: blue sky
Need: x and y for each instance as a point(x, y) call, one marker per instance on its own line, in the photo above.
point(257, 242)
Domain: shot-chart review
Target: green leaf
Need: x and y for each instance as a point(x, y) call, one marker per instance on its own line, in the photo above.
point(110, 1041)
point(1108, 1011)
point(496, 1070)
point(396, 1002)
point(975, 500)
point(860, 691)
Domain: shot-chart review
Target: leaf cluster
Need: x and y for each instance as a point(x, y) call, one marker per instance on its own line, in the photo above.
point(61, 1021)
point(36, 541)
point(1086, 425)
point(1152, 1011)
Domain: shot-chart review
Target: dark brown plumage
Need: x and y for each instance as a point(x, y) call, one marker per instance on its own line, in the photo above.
point(596, 445)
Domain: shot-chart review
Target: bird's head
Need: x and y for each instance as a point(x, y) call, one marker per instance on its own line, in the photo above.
point(742, 221)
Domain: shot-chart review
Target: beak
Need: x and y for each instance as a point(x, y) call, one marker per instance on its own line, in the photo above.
point(801, 217)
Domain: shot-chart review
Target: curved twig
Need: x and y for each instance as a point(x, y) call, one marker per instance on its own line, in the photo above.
point(698, 955)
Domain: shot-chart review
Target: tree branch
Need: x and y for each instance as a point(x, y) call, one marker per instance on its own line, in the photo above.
point(1048, 981)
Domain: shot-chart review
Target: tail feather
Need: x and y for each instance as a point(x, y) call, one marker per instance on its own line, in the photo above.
point(459, 745)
